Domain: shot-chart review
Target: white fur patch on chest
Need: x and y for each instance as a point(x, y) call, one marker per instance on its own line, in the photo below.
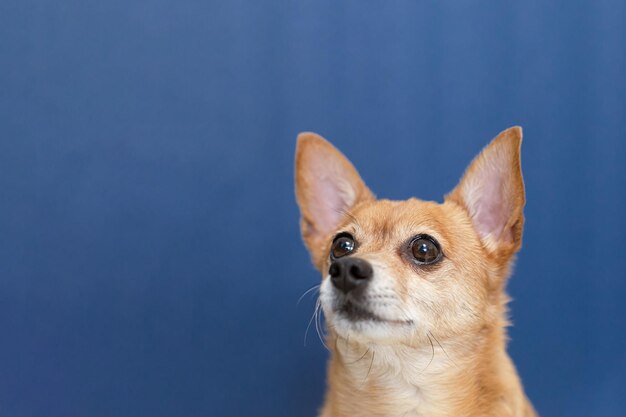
point(396, 380)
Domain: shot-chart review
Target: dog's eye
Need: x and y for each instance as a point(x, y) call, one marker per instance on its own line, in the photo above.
point(342, 245)
point(425, 249)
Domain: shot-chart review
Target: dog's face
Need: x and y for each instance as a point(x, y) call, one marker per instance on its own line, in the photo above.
point(398, 269)
point(403, 271)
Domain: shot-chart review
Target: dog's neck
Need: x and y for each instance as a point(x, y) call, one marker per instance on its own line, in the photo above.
point(439, 378)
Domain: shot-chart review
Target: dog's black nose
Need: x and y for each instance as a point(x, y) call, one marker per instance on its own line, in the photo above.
point(349, 273)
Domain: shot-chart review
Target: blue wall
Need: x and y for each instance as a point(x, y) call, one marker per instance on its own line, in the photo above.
point(150, 258)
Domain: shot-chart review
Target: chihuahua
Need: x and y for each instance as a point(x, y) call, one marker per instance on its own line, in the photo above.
point(413, 291)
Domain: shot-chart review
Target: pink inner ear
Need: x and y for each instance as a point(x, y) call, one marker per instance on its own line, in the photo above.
point(491, 213)
point(488, 195)
point(332, 193)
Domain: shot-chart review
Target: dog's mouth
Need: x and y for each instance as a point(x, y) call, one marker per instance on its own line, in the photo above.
point(357, 313)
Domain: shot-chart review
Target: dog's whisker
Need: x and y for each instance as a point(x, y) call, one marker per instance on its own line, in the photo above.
point(318, 314)
point(432, 356)
point(420, 302)
point(315, 287)
point(370, 369)
point(362, 356)
point(345, 212)
point(306, 332)
point(444, 351)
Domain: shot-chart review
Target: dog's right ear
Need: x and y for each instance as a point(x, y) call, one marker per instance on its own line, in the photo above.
point(327, 187)
point(492, 193)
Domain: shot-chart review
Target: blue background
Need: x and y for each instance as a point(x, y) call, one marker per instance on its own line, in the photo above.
point(150, 257)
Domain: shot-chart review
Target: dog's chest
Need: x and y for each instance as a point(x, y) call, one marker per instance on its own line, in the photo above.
point(393, 383)
point(397, 397)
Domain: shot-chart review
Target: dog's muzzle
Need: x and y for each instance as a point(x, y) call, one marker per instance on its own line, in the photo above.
point(350, 275)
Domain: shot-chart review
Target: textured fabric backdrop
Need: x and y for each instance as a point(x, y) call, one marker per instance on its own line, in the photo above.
point(150, 258)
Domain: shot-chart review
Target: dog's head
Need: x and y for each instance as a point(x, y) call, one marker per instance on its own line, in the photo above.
point(395, 271)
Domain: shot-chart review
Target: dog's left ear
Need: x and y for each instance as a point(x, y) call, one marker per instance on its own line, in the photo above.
point(492, 192)
point(327, 188)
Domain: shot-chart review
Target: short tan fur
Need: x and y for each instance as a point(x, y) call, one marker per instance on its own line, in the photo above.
point(430, 339)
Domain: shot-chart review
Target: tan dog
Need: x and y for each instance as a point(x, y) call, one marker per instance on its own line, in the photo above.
point(414, 291)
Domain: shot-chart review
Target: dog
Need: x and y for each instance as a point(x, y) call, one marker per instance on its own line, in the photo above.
point(413, 292)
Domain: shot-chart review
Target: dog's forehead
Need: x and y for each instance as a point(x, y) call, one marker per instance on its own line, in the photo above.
point(387, 220)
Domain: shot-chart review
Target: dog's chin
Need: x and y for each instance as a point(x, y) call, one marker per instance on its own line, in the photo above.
point(355, 322)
